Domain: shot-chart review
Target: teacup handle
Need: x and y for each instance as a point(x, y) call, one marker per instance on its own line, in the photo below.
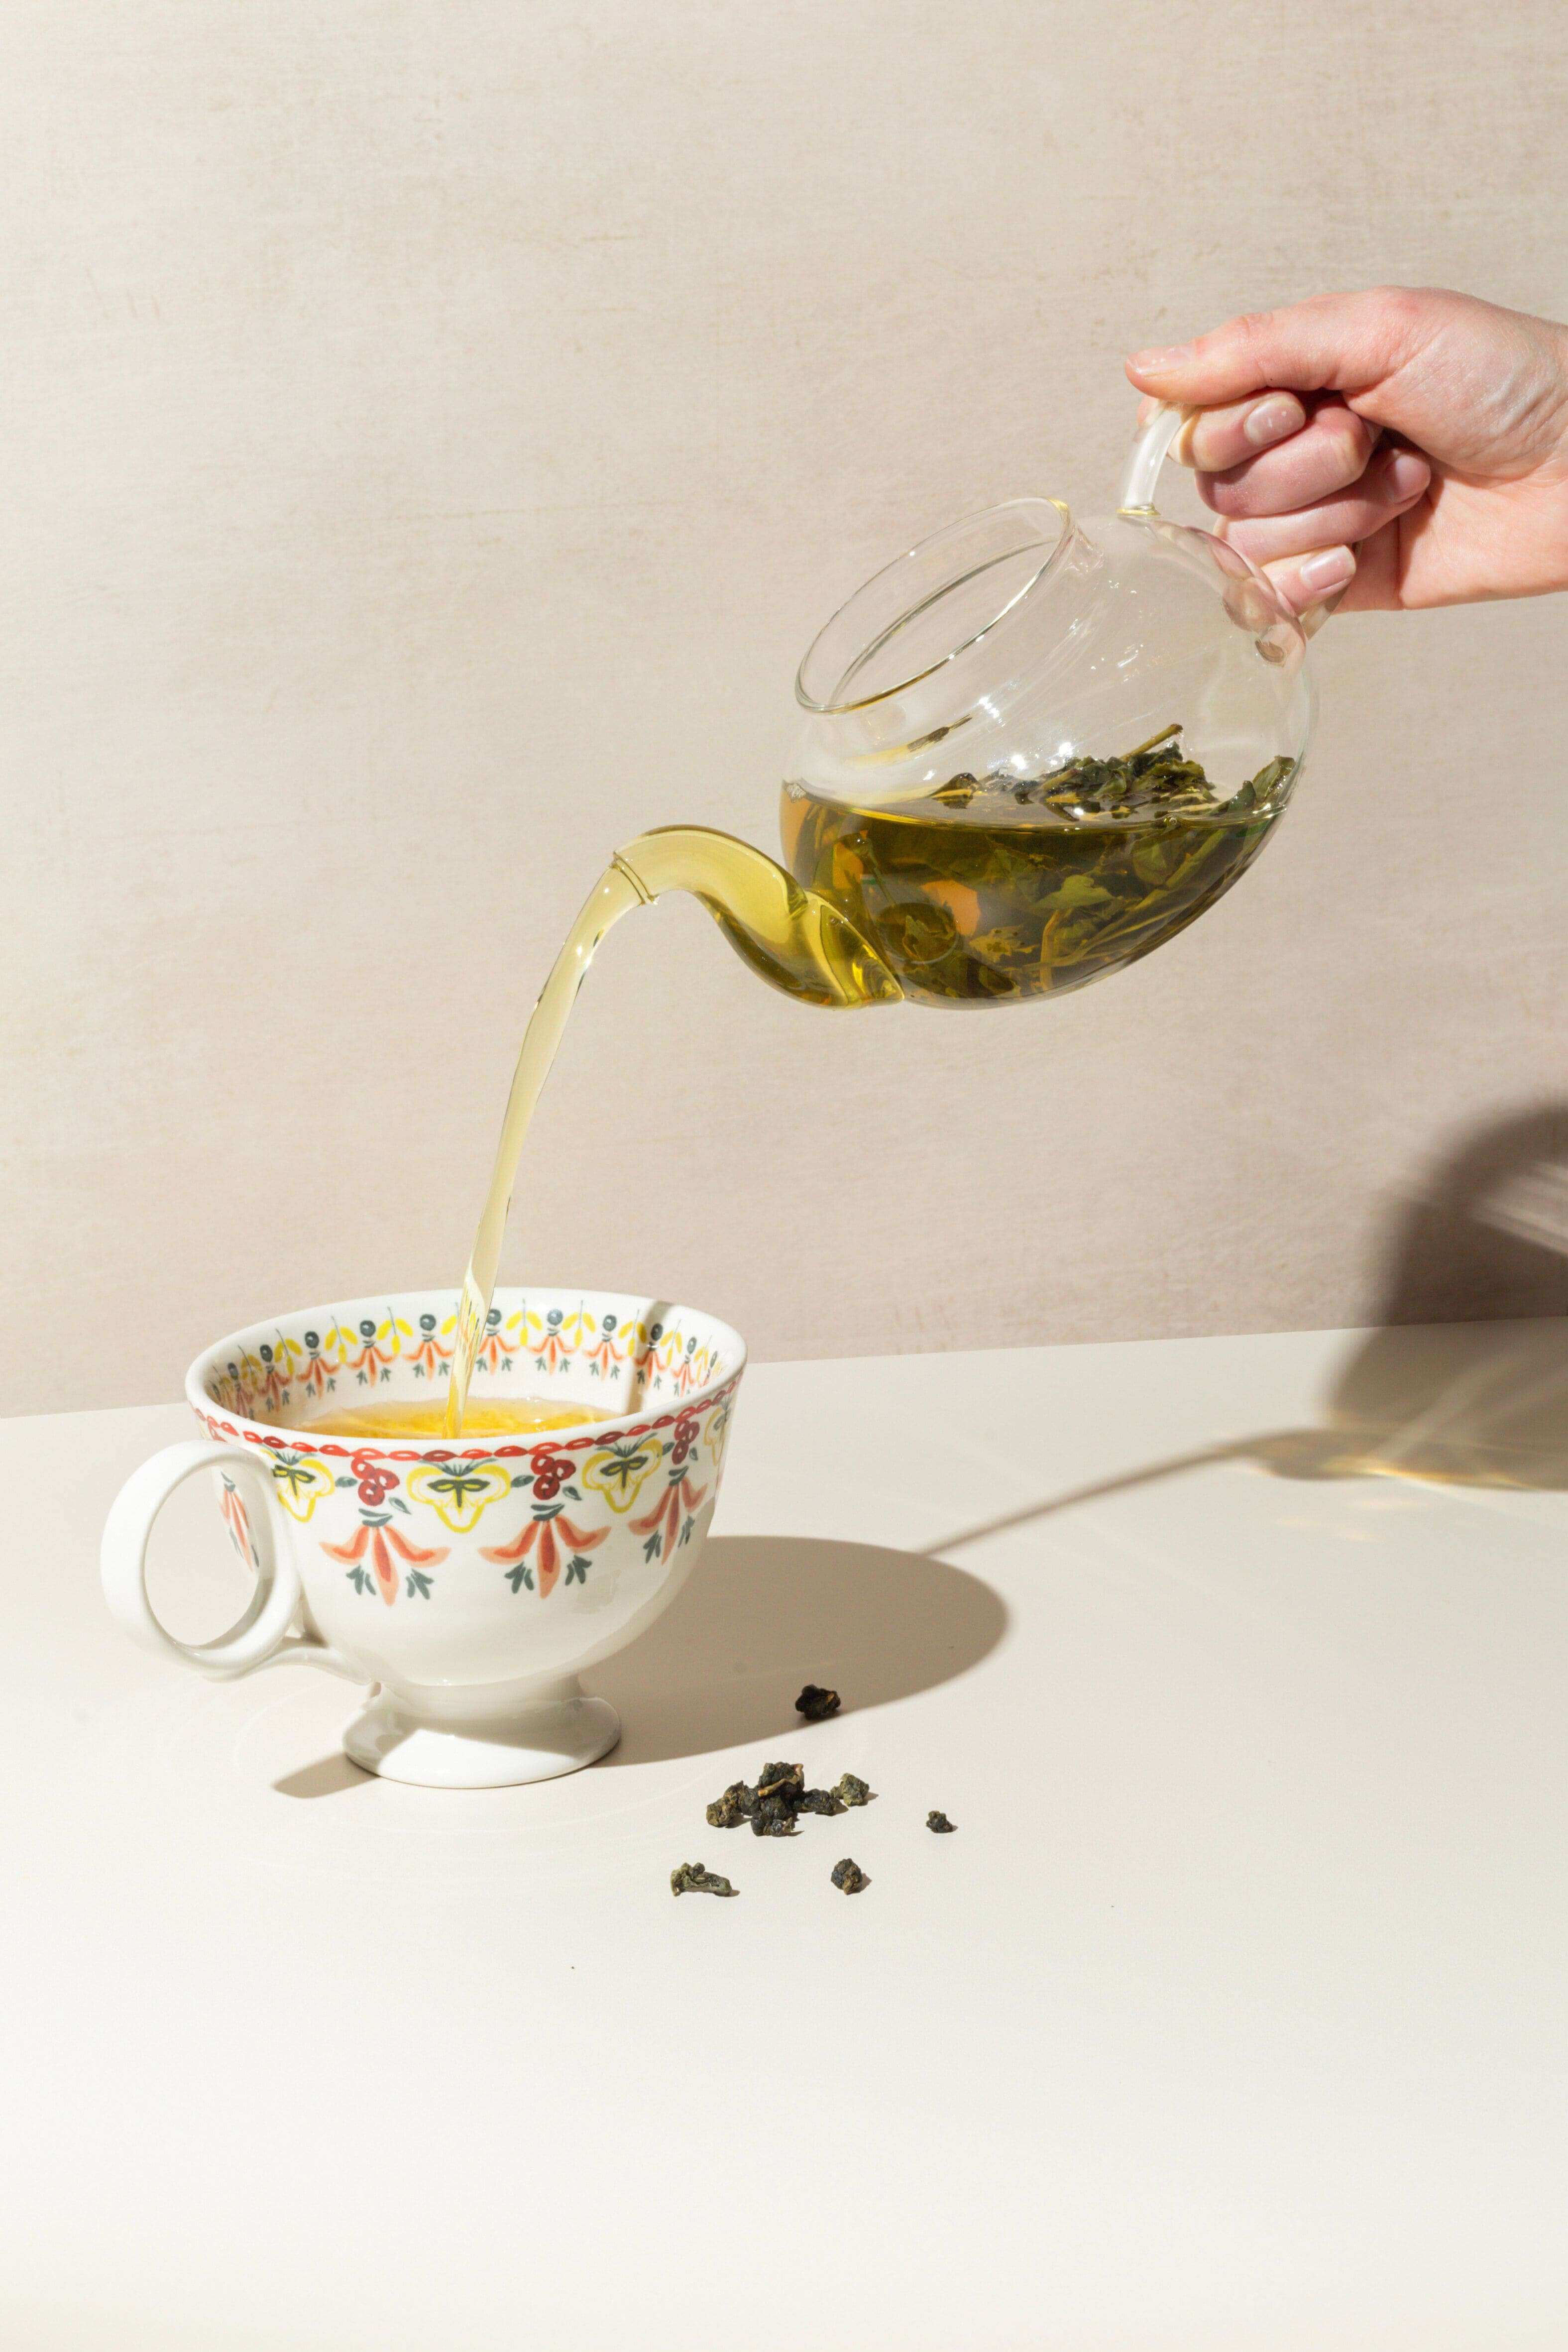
point(262, 1632)
point(1150, 451)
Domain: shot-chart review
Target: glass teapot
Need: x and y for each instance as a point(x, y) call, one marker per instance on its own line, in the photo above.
point(1035, 749)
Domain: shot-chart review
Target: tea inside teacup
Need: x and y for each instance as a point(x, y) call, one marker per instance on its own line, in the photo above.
point(427, 1417)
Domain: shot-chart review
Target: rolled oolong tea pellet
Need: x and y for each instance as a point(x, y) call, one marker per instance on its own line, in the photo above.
point(848, 1876)
point(816, 1704)
point(737, 1804)
point(692, 1879)
point(774, 1817)
point(852, 1791)
point(939, 1824)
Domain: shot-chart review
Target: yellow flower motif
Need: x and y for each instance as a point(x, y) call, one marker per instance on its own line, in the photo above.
point(618, 1471)
point(459, 1493)
point(302, 1480)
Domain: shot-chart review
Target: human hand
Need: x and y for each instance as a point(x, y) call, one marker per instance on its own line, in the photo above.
point(1410, 443)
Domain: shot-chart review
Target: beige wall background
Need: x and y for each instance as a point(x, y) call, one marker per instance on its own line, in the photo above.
point(433, 429)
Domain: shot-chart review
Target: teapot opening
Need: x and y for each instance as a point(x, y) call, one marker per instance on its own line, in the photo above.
point(933, 604)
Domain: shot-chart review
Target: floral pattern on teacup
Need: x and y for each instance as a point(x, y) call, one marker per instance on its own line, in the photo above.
point(302, 1480)
point(561, 1543)
point(619, 1472)
point(305, 1366)
point(382, 1571)
point(459, 1492)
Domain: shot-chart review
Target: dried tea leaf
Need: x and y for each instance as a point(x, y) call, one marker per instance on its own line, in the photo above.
point(853, 1791)
point(737, 1804)
point(821, 1800)
point(774, 1778)
point(939, 1824)
point(849, 1877)
point(692, 1879)
point(816, 1704)
point(774, 1817)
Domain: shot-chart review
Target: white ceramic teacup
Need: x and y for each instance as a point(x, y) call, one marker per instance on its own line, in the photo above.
point(471, 1582)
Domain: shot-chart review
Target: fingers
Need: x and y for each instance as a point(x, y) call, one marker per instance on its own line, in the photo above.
point(1218, 438)
point(1330, 452)
point(1340, 343)
point(1303, 582)
point(1391, 484)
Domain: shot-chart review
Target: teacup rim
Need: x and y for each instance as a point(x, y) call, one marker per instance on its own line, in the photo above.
point(226, 1420)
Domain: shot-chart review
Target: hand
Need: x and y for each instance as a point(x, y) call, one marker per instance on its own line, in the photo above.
point(1411, 442)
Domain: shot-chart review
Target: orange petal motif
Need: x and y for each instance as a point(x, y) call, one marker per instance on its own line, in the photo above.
point(650, 1520)
point(350, 1552)
point(574, 1536)
point(508, 1554)
point(385, 1574)
point(416, 1553)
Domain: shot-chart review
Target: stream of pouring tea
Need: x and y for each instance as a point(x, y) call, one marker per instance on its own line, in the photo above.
point(789, 937)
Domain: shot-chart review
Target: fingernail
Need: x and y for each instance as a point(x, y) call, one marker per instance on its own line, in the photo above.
point(1274, 419)
point(1330, 569)
point(1156, 361)
point(1407, 474)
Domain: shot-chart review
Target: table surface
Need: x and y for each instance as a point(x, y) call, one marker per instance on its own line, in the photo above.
point(1233, 2015)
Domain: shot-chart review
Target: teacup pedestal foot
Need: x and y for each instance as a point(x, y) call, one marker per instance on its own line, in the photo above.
point(450, 1745)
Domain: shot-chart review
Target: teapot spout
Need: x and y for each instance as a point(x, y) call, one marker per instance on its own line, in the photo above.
point(791, 937)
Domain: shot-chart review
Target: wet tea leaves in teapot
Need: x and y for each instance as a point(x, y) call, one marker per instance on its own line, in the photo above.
point(990, 888)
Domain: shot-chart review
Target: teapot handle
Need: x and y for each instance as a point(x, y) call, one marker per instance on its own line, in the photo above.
point(1150, 451)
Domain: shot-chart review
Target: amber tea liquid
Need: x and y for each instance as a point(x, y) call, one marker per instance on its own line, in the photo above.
point(427, 1417)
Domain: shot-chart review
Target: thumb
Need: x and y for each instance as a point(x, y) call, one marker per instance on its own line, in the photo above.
point(1333, 343)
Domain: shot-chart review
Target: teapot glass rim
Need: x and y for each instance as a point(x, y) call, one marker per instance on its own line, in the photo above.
point(861, 639)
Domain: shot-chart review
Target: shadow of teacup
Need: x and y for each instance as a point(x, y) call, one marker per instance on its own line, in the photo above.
point(763, 1614)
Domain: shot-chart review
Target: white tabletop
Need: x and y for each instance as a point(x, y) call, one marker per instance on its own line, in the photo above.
point(1233, 2015)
